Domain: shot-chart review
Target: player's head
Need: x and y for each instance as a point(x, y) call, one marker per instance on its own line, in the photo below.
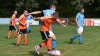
point(25, 12)
point(15, 12)
point(82, 10)
point(53, 7)
point(55, 15)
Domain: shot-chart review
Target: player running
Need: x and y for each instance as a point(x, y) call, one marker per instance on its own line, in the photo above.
point(79, 26)
point(22, 28)
point(12, 25)
point(46, 22)
point(28, 20)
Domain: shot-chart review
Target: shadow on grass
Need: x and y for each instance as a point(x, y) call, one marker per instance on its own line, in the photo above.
point(6, 37)
point(34, 53)
point(69, 42)
point(13, 43)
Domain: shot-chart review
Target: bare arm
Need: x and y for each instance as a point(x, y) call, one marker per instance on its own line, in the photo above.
point(77, 22)
point(36, 12)
point(60, 22)
point(38, 18)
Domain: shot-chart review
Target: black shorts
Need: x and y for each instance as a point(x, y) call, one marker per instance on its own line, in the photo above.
point(12, 28)
point(22, 31)
point(45, 35)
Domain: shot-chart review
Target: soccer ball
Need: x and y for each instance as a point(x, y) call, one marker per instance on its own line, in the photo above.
point(56, 53)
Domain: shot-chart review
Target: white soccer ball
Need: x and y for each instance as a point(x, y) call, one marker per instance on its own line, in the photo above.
point(56, 53)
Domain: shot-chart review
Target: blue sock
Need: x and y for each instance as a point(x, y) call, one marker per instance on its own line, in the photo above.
point(75, 36)
point(28, 29)
point(80, 39)
point(53, 44)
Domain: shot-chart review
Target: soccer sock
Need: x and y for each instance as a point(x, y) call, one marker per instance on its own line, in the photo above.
point(49, 44)
point(25, 40)
point(28, 28)
point(75, 36)
point(18, 41)
point(80, 39)
point(53, 44)
point(15, 33)
point(44, 43)
point(9, 34)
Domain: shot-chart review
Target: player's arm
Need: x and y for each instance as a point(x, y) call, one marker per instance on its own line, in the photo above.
point(76, 21)
point(12, 18)
point(36, 12)
point(38, 18)
point(60, 22)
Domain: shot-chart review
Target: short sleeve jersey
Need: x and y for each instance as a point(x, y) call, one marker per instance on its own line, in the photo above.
point(13, 20)
point(80, 18)
point(29, 17)
point(46, 22)
point(22, 19)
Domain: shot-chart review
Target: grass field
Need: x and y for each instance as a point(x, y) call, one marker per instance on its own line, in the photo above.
point(90, 46)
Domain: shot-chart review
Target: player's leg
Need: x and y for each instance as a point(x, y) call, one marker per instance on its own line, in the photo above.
point(25, 36)
point(53, 40)
point(28, 28)
point(18, 38)
point(80, 35)
point(9, 33)
point(75, 36)
point(15, 32)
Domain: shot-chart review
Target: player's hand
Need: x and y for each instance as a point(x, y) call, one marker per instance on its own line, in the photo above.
point(63, 21)
point(64, 26)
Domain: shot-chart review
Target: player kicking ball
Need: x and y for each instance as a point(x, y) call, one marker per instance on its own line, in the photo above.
point(48, 13)
point(79, 26)
point(46, 22)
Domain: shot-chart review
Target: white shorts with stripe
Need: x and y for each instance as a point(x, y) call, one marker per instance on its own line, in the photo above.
point(80, 29)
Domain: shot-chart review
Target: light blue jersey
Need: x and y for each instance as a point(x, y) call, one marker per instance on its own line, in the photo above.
point(29, 17)
point(80, 18)
point(48, 12)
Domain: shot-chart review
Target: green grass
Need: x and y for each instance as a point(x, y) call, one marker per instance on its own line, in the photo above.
point(90, 46)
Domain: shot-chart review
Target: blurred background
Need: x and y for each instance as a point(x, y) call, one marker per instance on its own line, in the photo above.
point(66, 8)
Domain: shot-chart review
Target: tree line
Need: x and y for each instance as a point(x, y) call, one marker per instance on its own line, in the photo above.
point(66, 8)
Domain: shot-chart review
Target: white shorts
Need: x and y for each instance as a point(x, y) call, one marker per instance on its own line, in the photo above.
point(51, 33)
point(80, 30)
point(28, 23)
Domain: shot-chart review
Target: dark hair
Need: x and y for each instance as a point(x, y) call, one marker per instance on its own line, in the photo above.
point(55, 14)
point(81, 9)
point(52, 5)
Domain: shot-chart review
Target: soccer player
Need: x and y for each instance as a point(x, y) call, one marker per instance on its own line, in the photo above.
point(46, 22)
point(48, 12)
point(22, 28)
point(12, 25)
point(79, 26)
point(28, 20)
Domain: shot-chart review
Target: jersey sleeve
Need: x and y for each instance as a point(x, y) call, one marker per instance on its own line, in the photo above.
point(77, 16)
point(20, 17)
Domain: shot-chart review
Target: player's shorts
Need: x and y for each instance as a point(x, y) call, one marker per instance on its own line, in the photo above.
point(28, 23)
point(51, 33)
point(22, 31)
point(12, 28)
point(80, 30)
point(45, 35)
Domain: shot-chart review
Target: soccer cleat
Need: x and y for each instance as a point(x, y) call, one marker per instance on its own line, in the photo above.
point(37, 48)
point(49, 53)
point(71, 40)
point(16, 45)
